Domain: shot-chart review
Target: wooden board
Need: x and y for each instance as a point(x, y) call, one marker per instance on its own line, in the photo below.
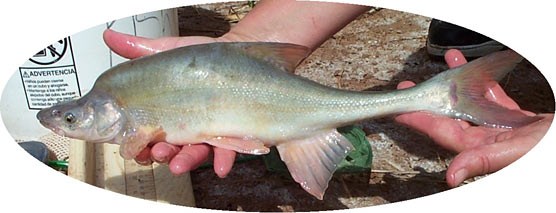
point(102, 166)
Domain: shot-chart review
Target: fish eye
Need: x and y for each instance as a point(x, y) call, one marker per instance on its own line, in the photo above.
point(70, 118)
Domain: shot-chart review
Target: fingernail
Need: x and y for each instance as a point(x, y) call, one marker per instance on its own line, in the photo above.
point(144, 162)
point(161, 159)
point(460, 176)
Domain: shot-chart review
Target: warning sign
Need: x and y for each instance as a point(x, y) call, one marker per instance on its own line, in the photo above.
point(53, 79)
point(45, 87)
point(52, 53)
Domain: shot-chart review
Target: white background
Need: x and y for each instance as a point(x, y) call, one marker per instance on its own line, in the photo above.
point(28, 26)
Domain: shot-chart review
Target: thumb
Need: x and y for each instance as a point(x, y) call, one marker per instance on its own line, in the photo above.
point(482, 160)
point(129, 46)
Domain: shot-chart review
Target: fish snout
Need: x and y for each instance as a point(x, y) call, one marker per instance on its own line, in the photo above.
point(41, 115)
point(45, 119)
point(47, 116)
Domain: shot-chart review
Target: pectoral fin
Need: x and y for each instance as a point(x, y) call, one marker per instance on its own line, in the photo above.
point(245, 145)
point(313, 160)
point(136, 139)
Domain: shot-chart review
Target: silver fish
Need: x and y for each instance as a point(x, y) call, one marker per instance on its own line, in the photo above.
point(244, 97)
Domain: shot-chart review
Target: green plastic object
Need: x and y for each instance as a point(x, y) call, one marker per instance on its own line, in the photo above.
point(58, 164)
point(359, 160)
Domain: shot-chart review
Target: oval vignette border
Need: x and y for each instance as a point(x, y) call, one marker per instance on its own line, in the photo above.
point(53, 191)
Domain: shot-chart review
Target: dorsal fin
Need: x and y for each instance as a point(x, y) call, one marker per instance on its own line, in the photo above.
point(284, 55)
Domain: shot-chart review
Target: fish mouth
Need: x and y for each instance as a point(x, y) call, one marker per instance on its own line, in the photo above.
point(53, 128)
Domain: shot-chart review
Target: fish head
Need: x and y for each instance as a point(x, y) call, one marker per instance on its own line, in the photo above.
point(70, 119)
point(91, 118)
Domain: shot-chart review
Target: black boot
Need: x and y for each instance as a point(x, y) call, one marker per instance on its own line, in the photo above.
point(444, 36)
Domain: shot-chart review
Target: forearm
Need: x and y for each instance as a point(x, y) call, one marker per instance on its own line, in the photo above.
point(299, 22)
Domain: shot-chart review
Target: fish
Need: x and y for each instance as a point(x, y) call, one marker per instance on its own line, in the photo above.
point(245, 97)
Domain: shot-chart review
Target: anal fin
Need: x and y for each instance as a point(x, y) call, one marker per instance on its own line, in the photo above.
point(312, 161)
point(246, 145)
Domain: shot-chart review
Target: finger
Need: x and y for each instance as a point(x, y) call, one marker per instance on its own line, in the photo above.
point(496, 94)
point(445, 131)
point(223, 161)
point(129, 46)
point(162, 152)
point(189, 158)
point(454, 58)
point(485, 159)
point(144, 157)
point(405, 84)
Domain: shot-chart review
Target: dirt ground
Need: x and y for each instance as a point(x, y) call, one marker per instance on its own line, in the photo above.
point(375, 52)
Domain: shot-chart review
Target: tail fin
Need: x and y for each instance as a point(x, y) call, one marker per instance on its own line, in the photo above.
point(469, 86)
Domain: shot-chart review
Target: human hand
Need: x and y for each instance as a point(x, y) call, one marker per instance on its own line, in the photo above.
point(481, 149)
